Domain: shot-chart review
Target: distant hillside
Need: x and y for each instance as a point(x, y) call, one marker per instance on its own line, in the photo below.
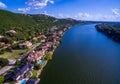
point(28, 25)
point(110, 30)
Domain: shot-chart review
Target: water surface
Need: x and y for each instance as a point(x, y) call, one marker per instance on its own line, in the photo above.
point(85, 57)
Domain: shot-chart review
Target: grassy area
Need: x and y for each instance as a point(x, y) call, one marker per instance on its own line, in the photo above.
point(14, 54)
point(34, 74)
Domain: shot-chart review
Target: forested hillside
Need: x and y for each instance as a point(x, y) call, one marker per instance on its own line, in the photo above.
point(27, 25)
point(111, 30)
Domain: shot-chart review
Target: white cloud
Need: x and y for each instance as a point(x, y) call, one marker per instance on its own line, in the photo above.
point(51, 1)
point(24, 10)
point(2, 5)
point(116, 11)
point(83, 15)
point(36, 4)
point(45, 12)
point(97, 17)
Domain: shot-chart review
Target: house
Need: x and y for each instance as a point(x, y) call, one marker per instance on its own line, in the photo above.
point(41, 37)
point(50, 53)
point(55, 37)
point(43, 40)
point(44, 48)
point(32, 81)
point(60, 32)
point(11, 31)
point(8, 45)
point(25, 44)
point(49, 44)
point(35, 55)
point(22, 71)
point(35, 38)
point(1, 36)
point(53, 29)
point(65, 29)
point(2, 43)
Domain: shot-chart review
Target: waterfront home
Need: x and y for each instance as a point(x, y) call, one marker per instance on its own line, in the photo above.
point(21, 72)
point(11, 31)
point(32, 81)
point(65, 29)
point(35, 55)
point(25, 44)
point(60, 32)
point(49, 44)
point(50, 53)
point(55, 37)
point(44, 48)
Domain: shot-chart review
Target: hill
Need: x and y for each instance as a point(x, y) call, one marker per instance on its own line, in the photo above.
point(111, 30)
point(29, 25)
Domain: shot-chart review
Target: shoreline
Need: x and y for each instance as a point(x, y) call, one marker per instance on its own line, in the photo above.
point(46, 62)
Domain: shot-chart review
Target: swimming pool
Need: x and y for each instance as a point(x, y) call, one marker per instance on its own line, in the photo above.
point(41, 62)
point(23, 81)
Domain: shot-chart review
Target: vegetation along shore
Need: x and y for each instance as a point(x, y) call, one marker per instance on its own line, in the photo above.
point(111, 30)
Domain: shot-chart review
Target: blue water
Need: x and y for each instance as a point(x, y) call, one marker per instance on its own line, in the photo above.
point(41, 62)
point(85, 56)
point(23, 81)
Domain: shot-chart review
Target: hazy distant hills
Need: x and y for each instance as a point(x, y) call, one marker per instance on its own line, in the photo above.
point(9, 20)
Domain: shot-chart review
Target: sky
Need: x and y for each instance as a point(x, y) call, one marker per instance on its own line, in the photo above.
point(95, 10)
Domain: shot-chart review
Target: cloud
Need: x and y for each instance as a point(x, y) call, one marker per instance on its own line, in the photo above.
point(2, 5)
point(51, 1)
point(83, 15)
point(24, 10)
point(116, 11)
point(98, 17)
point(36, 4)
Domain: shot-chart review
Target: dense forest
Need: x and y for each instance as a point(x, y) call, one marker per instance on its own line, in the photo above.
point(29, 25)
point(111, 30)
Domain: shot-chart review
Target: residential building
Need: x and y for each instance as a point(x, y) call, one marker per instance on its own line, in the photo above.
point(25, 44)
point(32, 81)
point(35, 55)
point(11, 31)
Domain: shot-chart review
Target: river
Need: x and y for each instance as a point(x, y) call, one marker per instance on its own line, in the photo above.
point(85, 56)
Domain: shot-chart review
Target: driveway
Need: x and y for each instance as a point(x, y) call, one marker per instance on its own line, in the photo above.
point(8, 67)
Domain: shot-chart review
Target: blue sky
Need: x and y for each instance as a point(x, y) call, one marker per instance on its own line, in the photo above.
point(100, 10)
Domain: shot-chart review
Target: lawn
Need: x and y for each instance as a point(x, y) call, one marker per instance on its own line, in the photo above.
point(34, 74)
point(14, 54)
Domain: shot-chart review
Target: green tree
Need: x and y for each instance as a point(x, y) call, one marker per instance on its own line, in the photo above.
point(1, 79)
point(18, 62)
point(48, 57)
point(3, 62)
point(37, 66)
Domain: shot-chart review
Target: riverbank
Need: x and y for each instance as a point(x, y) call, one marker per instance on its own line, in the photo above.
point(85, 57)
point(31, 66)
point(110, 30)
point(57, 36)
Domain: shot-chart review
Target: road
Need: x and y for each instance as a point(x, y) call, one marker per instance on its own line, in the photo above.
point(12, 61)
point(8, 67)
